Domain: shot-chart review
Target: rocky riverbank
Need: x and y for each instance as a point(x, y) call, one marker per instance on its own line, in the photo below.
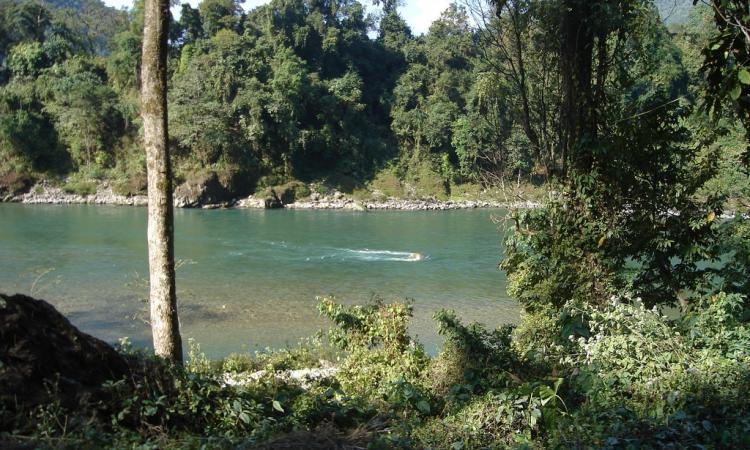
point(45, 193)
point(343, 202)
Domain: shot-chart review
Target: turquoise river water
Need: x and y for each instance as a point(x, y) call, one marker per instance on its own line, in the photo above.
point(248, 279)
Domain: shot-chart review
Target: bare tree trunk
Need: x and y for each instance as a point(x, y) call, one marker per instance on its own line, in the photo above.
point(164, 324)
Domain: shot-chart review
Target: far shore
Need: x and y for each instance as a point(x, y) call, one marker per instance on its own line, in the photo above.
point(46, 194)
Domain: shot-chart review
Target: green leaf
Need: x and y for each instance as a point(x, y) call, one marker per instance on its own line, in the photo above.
point(244, 417)
point(423, 407)
point(736, 92)
point(744, 76)
point(277, 406)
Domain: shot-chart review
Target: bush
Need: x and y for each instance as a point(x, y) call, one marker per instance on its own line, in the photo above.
point(473, 359)
point(382, 360)
point(134, 185)
point(428, 182)
point(80, 187)
point(497, 419)
point(388, 184)
point(291, 191)
point(648, 380)
point(466, 191)
point(542, 335)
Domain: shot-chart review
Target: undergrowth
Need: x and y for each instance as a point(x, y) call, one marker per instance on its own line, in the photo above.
point(625, 377)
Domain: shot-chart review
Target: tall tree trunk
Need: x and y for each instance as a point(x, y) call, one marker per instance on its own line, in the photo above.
point(578, 109)
point(164, 324)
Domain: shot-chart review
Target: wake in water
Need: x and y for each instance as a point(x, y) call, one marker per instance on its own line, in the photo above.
point(284, 250)
point(380, 255)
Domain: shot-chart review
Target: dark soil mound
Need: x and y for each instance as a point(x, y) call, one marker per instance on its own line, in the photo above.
point(41, 351)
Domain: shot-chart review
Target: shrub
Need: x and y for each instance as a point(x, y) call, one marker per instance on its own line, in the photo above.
point(80, 187)
point(473, 359)
point(382, 360)
point(387, 183)
point(291, 191)
point(428, 182)
point(134, 185)
point(541, 339)
point(648, 380)
point(497, 419)
point(466, 190)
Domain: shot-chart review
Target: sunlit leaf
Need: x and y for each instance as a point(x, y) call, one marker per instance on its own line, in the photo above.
point(735, 92)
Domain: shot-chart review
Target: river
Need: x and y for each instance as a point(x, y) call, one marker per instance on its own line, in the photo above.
point(248, 279)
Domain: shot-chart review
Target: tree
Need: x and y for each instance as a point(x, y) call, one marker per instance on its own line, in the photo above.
point(190, 24)
point(626, 213)
point(219, 14)
point(727, 62)
point(84, 110)
point(164, 323)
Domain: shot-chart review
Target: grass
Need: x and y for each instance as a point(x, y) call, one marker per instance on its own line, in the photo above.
point(80, 187)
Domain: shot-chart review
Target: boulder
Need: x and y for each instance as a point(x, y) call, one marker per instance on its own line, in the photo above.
point(251, 202)
point(41, 350)
point(204, 189)
point(271, 200)
point(291, 192)
point(13, 183)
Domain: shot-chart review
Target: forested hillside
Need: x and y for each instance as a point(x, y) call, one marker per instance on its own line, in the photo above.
point(299, 90)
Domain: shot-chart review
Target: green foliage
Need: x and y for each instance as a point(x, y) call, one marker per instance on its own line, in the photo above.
point(473, 359)
point(27, 138)
point(135, 185)
point(427, 181)
point(635, 217)
point(297, 90)
point(725, 63)
point(383, 363)
point(626, 375)
point(388, 184)
point(26, 59)
point(290, 192)
point(80, 187)
point(514, 416)
point(290, 90)
point(84, 110)
point(639, 369)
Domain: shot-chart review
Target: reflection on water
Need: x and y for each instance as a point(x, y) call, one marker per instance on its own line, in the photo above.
point(247, 279)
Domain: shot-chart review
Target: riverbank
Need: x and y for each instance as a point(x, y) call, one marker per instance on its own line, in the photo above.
point(45, 193)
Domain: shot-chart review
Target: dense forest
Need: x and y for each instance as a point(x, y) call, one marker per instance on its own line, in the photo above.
point(314, 91)
point(632, 275)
